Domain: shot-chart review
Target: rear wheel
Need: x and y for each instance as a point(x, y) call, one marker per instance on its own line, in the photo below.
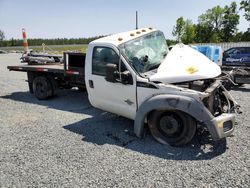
point(172, 127)
point(42, 88)
point(54, 85)
point(31, 87)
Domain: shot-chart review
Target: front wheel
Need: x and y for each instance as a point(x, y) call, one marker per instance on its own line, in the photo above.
point(172, 127)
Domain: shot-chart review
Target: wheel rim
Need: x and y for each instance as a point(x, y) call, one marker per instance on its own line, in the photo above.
point(170, 125)
point(40, 88)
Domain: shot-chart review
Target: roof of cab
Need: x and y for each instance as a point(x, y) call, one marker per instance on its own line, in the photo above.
point(119, 38)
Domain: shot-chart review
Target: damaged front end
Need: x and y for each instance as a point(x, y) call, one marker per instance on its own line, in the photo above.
point(223, 107)
point(220, 104)
point(186, 68)
point(219, 100)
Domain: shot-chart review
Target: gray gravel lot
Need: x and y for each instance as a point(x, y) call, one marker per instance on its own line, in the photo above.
point(64, 142)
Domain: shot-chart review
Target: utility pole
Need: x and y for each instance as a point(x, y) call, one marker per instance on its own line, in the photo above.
point(136, 20)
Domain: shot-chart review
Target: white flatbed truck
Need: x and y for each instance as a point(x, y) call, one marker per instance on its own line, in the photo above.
point(133, 74)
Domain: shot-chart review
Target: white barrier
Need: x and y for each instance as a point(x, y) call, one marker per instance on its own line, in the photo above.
point(226, 45)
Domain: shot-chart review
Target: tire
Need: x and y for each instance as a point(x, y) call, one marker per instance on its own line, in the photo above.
point(42, 88)
point(54, 85)
point(172, 127)
point(30, 87)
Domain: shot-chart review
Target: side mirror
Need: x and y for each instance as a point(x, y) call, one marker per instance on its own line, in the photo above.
point(111, 72)
point(126, 78)
point(112, 75)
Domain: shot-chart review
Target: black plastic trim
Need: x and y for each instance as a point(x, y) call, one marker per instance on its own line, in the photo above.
point(146, 85)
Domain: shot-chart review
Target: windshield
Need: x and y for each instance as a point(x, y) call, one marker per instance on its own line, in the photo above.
point(147, 52)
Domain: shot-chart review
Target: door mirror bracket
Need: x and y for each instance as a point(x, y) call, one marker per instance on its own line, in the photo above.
point(126, 78)
point(111, 73)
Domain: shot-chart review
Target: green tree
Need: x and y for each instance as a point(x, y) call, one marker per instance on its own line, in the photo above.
point(189, 32)
point(203, 33)
point(245, 5)
point(210, 25)
point(215, 37)
point(212, 18)
point(230, 22)
point(2, 36)
point(179, 28)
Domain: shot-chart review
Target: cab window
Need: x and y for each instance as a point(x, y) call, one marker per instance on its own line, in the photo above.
point(101, 57)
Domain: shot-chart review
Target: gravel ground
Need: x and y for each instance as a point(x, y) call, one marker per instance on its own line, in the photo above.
point(64, 142)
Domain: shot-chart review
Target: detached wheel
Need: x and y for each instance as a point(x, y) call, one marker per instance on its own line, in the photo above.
point(42, 88)
point(172, 127)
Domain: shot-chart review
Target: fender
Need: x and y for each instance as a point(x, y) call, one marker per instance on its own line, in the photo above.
point(185, 104)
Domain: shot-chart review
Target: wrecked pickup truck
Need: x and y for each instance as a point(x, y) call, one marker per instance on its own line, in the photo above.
point(134, 75)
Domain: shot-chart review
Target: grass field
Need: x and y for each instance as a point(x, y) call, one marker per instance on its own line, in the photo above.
point(54, 48)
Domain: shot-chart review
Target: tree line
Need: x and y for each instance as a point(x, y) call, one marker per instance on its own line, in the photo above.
point(218, 24)
point(39, 41)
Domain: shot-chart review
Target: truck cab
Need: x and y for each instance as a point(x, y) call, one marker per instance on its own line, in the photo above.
point(133, 74)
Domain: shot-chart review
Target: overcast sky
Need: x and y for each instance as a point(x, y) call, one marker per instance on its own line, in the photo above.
point(86, 18)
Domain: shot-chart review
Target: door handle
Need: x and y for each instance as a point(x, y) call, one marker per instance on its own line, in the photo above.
point(91, 84)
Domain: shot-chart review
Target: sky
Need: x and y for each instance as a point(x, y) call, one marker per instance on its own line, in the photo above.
point(87, 18)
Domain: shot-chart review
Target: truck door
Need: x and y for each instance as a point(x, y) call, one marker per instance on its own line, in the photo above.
point(114, 97)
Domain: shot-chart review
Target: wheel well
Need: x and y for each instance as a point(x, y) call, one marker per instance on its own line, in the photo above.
point(149, 114)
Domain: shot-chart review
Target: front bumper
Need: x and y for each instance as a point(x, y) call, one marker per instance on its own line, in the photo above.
point(221, 126)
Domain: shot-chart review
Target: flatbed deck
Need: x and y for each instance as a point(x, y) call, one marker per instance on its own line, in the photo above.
point(73, 64)
point(44, 79)
point(52, 68)
point(25, 67)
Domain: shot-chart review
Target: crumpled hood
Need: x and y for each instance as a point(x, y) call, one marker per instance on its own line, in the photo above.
point(183, 64)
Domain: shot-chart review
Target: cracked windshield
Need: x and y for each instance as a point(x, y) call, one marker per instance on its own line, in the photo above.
point(147, 52)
